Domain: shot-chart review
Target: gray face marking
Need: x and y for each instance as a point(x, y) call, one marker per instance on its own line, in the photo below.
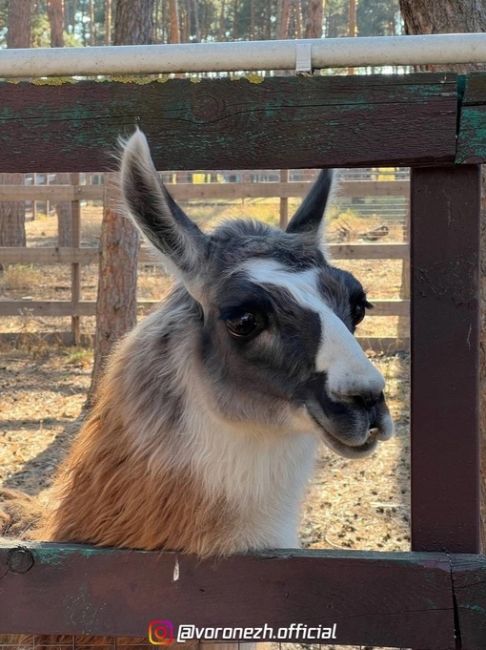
point(339, 355)
point(306, 354)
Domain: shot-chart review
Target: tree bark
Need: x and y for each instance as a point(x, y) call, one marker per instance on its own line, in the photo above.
point(116, 305)
point(64, 214)
point(352, 31)
point(133, 22)
point(55, 13)
point(297, 7)
point(107, 22)
point(19, 21)
point(284, 19)
point(313, 23)
point(12, 214)
point(174, 32)
point(460, 16)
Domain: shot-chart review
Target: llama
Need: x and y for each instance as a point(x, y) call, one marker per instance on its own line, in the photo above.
point(206, 425)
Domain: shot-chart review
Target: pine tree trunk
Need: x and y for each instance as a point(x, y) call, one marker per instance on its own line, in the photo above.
point(64, 214)
point(284, 18)
point(313, 23)
point(222, 23)
point(116, 305)
point(174, 32)
point(12, 214)
point(352, 29)
point(297, 7)
point(19, 20)
point(107, 22)
point(55, 13)
point(459, 16)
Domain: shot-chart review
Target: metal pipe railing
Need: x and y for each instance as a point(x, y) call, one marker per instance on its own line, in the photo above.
point(301, 55)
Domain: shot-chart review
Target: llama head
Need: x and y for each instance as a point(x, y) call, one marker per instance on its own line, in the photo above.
point(276, 341)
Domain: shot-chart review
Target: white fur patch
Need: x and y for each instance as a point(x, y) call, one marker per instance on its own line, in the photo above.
point(339, 354)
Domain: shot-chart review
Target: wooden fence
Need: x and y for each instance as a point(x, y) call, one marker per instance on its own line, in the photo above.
point(433, 597)
point(76, 255)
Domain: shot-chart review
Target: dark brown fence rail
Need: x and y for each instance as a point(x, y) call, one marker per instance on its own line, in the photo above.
point(224, 124)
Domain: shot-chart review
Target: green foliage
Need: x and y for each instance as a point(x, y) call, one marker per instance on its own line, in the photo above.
point(336, 18)
point(41, 31)
point(378, 17)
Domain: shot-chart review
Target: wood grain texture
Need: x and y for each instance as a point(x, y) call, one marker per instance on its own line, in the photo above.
point(216, 124)
point(469, 582)
point(374, 598)
point(471, 144)
point(89, 254)
point(204, 191)
point(444, 245)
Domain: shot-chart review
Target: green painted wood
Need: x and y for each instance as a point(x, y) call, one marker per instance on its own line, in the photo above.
point(469, 579)
point(384, 599)
point(471, 143)
point(214, 124)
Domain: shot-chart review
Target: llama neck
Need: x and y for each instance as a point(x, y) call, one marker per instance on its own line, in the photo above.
point(155, 467)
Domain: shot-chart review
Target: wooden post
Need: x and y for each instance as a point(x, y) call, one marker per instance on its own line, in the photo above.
point(284, 202)
point(34, 202)
point(403, 326)
point(445, 211)
point(75, 266)
point(48, 203)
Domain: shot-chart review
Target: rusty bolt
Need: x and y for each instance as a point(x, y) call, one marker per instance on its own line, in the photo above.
point(20, 560)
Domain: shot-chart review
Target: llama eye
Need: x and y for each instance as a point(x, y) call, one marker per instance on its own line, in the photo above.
point(245, 325)
point(358, 314)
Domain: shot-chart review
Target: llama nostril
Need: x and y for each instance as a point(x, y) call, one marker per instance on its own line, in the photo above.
point(368, 399)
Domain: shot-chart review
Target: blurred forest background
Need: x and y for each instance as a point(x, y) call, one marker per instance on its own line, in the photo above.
point(91, 22)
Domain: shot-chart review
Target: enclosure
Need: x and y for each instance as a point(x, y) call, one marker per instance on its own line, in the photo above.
point(432, 597)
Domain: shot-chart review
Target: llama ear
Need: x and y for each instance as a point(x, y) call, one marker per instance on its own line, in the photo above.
point(309, 216)
point(162, 222)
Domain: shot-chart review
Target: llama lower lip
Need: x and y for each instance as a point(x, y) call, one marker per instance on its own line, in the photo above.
point(336, 444)
point(352, 451)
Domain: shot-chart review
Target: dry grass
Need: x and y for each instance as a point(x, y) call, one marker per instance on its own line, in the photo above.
point(20, 277)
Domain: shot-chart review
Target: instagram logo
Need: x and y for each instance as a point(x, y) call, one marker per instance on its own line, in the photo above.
point(161, 632)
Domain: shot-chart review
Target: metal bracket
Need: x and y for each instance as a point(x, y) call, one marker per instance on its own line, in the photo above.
point(303, 57)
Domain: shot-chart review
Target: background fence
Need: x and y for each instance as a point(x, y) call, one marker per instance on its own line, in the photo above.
point(380, 193)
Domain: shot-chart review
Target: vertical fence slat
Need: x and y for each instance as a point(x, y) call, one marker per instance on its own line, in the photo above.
point(445, 209)
point(75, 266)
point(284, 202)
